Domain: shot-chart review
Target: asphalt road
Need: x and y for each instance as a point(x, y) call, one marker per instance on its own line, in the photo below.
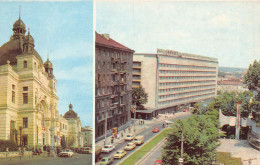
point(77, 159)
point(153, 155)
point(147, 133)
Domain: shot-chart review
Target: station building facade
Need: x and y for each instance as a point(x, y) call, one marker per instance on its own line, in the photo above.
point(28, 94)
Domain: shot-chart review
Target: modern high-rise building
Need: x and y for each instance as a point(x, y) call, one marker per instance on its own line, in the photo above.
point(113, 84)
point(173, 78)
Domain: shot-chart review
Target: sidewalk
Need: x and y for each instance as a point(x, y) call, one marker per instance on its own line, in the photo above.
point(241, 149)
point(136, 128)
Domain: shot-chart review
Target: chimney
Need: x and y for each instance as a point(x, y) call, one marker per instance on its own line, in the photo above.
point(106, 36)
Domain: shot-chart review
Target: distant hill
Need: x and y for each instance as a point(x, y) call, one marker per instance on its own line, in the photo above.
point(231, 70)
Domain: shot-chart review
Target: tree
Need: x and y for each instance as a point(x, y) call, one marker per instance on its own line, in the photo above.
point(139, 97)
point(252, 80)
point(200, 141)
point(252, 77)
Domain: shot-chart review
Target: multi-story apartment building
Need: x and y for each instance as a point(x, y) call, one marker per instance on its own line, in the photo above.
point(173, 78)
point(28, 95)
point(113, 84)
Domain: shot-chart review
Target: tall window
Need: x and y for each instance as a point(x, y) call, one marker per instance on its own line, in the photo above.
point(25, 64)
point(25, 122)
point(25, 95)
point(13, 93)
point(25, 98)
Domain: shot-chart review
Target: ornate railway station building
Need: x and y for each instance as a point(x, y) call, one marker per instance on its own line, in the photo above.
point(113, 84)
point(28, 95)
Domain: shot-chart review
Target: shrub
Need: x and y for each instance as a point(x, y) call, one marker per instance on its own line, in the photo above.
point(11, 145)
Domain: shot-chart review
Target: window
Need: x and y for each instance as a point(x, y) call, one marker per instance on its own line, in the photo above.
point(25, 98)
point(25, 88)
point(13, 96)
point(13, 93)
point(25, 64)
point(25, 122)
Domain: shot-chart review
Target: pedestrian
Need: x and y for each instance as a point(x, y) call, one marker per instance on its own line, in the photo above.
point(143, 122)
point(40, 150)
point(163, 125)
point(122, 134)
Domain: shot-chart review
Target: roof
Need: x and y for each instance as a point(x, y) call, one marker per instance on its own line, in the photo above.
point(70, 114)
point(11, 49)
point(229, 82)
point(109, 42)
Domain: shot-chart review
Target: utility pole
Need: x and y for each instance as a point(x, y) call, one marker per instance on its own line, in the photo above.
point(105, 127)
point(135, 115)
point(181, 159)
point(52, 152)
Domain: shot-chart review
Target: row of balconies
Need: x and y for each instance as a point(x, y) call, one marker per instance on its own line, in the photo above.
point(184, 80)
point(186, 91)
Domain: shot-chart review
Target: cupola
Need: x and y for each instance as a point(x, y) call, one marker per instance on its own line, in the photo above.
point(28, 44)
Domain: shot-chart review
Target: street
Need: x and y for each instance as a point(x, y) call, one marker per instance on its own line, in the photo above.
point(146, 132)
point(77, 159)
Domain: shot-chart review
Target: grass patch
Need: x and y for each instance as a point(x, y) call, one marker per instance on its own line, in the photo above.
point(225, 157)
point(135, 157)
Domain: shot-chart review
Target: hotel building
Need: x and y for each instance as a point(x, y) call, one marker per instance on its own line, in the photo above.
point(173, 78)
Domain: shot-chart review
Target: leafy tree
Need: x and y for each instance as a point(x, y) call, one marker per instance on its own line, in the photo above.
point(252, 80)
point(200, 141)
point(252, 77)
point(139, 97)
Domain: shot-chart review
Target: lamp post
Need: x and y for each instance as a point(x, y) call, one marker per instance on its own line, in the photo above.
point(181, 159)
point(52, 151)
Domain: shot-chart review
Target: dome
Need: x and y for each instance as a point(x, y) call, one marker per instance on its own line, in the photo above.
point(70, 114)
point(19, 24)
point(47, 64)
point(28, 39)
point(11, 49)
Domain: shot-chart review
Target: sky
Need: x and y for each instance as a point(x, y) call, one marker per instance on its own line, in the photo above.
point(229, 31)
point(64, 32)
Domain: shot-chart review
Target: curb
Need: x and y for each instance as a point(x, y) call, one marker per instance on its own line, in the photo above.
point(149, 152)
point(122, 160)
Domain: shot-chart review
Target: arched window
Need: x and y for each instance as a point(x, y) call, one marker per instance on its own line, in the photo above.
point(25, 64)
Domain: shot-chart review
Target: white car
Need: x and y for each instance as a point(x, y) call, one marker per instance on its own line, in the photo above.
point(129, 137)
point(66, 153)
point(107, 148)
point(168, 121)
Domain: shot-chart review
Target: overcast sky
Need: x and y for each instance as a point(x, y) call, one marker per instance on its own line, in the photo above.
point(64, 30)
point(229, 31)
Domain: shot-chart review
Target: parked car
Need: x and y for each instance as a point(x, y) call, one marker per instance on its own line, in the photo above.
point(130, 146)
point(158, 162)
point(156, 129)
point(129, 137)
point(66, 153)
point(119, 154)
point(107, 148)
point(85, 150)
point(106, 160)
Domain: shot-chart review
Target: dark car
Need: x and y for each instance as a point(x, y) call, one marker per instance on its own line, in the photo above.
point(156, 129)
